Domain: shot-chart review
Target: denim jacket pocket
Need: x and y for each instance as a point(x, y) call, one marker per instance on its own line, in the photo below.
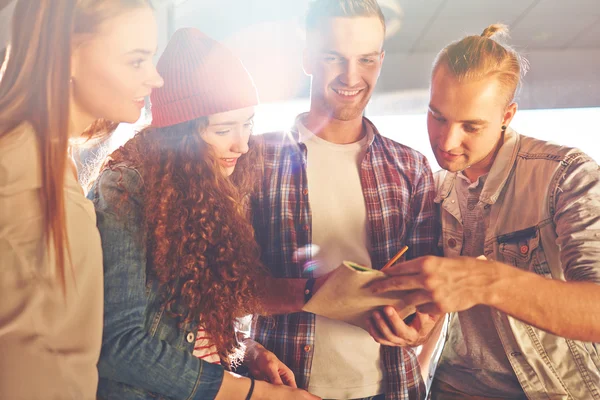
point(523, 249)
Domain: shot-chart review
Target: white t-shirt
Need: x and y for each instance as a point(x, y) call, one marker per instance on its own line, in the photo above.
point(346, 360)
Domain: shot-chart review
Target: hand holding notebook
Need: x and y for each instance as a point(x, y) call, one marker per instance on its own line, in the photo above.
point(346, 296)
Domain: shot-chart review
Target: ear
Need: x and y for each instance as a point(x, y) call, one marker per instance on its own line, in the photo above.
point(306, 62)
point(509, 113)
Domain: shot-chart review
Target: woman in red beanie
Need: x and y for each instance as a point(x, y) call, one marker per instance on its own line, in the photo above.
point(180, 261)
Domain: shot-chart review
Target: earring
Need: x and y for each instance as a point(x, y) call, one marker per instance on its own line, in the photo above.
point(503, 127)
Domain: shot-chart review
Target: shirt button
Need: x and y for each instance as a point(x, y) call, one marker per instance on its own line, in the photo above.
point(471, 207)
point(190, 337)
point(524, 249)
point(305, 227)
point(452, 243)
point(306, 348)
point(305, 192)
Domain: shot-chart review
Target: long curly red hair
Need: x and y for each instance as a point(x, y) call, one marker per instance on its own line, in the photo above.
point(200, 241)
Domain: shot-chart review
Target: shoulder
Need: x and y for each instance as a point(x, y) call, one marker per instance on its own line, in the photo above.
point(532, 148)
point(402, 156)
point(117, 182)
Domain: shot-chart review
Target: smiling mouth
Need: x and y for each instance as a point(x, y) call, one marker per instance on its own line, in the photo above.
point(347, 93)
point(229, 161)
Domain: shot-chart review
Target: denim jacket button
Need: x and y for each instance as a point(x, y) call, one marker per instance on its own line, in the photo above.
point(307, 348)
point(524, 249)
point(190, 337)
point(452, 243)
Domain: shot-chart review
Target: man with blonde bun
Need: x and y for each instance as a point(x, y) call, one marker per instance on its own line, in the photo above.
point(525, 317)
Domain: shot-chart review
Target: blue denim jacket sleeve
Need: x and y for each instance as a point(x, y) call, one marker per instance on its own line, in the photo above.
point(130, 354)
point(577, 218)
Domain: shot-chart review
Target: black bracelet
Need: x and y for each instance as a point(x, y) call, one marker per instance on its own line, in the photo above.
point(308, 289)
point(249, 395)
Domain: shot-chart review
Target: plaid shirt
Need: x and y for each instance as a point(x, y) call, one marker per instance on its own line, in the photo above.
point(399, 191)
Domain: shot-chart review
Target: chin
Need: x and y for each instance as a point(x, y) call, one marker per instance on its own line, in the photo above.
point(347, 114)
point(130, 117)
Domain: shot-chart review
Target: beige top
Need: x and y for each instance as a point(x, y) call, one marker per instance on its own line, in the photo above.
point(339, 221)
point(49, 344)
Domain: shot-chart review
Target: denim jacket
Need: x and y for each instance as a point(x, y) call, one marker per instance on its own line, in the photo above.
point(145, 355)
point(544, 205)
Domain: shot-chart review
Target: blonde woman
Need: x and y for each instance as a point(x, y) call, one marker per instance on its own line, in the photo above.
point(70, 63)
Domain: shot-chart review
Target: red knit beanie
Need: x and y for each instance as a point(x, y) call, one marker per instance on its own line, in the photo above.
point(202, 78)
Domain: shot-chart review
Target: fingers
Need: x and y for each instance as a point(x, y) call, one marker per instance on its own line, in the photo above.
point(410, 267)
point(287, 376)
point(377, 336)
point(408, 282)
point(429, 308)
point(393, 328)
point(272, 372)
point(417, 297)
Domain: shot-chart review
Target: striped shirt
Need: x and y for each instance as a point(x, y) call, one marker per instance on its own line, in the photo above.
point(204, 348)
point(399, 191)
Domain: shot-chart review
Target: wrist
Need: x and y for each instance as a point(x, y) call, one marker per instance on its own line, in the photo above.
point(501, 277)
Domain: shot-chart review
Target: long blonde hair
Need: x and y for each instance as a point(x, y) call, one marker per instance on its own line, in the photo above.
point(35, 88)
point(479, 56)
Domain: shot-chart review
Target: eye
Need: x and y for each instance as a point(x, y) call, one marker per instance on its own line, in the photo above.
point(222, 133)
point(367, 61)
point(438, 118)
point(470, 128)
point(330, 58)
point(137, 63)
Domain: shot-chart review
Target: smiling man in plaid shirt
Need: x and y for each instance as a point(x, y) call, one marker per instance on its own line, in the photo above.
point(334, 189)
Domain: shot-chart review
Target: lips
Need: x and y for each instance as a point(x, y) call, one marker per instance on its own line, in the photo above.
point(347, 93)
point(449, 156)
point(229, 162)
point(140, 101)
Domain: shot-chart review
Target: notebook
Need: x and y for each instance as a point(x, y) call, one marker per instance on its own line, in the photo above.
point(345, 296)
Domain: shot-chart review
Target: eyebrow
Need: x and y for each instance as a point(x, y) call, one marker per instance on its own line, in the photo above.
point(468, 121)
point(229, 123)
point(335, 53)
point(144, 52)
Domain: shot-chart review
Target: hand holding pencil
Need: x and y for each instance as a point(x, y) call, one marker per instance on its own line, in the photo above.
point(394, 259)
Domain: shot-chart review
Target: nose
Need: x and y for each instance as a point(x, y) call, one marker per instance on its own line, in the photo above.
point(155, 81)
point(450, 138)
point(240, 144)
point(350, 75)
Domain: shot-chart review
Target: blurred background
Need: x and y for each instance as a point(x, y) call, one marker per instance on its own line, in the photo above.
point(560, 100)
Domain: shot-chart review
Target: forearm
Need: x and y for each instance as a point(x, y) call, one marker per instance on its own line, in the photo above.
point(566, 309)
point(145, 362)
point(284, 296)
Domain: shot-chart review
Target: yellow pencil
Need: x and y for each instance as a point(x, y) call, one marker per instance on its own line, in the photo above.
point(396, 258)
